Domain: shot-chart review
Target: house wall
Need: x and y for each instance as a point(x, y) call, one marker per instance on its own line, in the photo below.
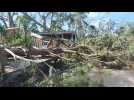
point(10, 32)
point(37, 42)
point(52, 39)
point(40, 43)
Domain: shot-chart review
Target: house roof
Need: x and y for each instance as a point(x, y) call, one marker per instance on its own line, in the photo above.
point(36, 35)
point(55, 33)
point(43, 35)
point(9, 28)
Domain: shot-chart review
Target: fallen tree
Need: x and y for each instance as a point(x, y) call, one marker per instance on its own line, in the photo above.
point(24, 52)
point(18, 77)
point(32, 51)
point(22, 58)
point(47, 63)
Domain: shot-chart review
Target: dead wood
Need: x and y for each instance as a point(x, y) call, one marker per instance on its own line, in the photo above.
point(24, 59)
point(23, 52)
point(19, 77)
point(113, 65)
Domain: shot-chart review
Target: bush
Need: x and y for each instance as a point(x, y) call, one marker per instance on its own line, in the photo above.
point(20, 39)
point(77, 77)
point(121, 43)
point(131, 52)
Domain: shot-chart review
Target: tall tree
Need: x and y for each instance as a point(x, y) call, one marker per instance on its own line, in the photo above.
point(10, 19)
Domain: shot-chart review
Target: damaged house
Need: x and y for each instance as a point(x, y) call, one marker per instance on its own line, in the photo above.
point(48, 40)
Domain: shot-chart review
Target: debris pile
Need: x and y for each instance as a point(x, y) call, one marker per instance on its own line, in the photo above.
point(41, 64)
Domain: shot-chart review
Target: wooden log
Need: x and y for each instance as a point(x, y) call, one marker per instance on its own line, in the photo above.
point(24, 52)
point(22, 58)
point(32, 51)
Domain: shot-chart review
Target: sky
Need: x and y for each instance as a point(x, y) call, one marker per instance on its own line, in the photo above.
point(120, 18)
point(96, 17)
point(123, 16)
point(115, 16)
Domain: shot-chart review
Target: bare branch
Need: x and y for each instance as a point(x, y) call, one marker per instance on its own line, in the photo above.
point(32, 19)
point(4, 19)
point(24, 59)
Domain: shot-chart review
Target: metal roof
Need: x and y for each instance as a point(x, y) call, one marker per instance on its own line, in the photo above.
point(48, 33)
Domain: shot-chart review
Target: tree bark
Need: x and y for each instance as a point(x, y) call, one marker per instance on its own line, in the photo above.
point(32, 51)
point(10, 20)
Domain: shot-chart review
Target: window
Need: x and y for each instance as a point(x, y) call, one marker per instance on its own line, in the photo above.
point(45, 44)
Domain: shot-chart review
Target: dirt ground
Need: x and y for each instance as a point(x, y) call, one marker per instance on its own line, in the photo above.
point(113, 78)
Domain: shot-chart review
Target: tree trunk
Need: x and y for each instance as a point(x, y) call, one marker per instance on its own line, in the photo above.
point(10, 20)
point(44, 24)
point(32, 51)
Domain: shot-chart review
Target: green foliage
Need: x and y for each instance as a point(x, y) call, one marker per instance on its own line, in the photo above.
point(131, 51)
point(27, 24)
point(76, 81)
point(20, 39)
point(23, 21)
point(2, 30)
point(104, 41)
point(34, 68)
point(27, 41)
point(17, 39)
point(79, 81)
point(77, 77)
point(121, 43)
point(107, 40)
